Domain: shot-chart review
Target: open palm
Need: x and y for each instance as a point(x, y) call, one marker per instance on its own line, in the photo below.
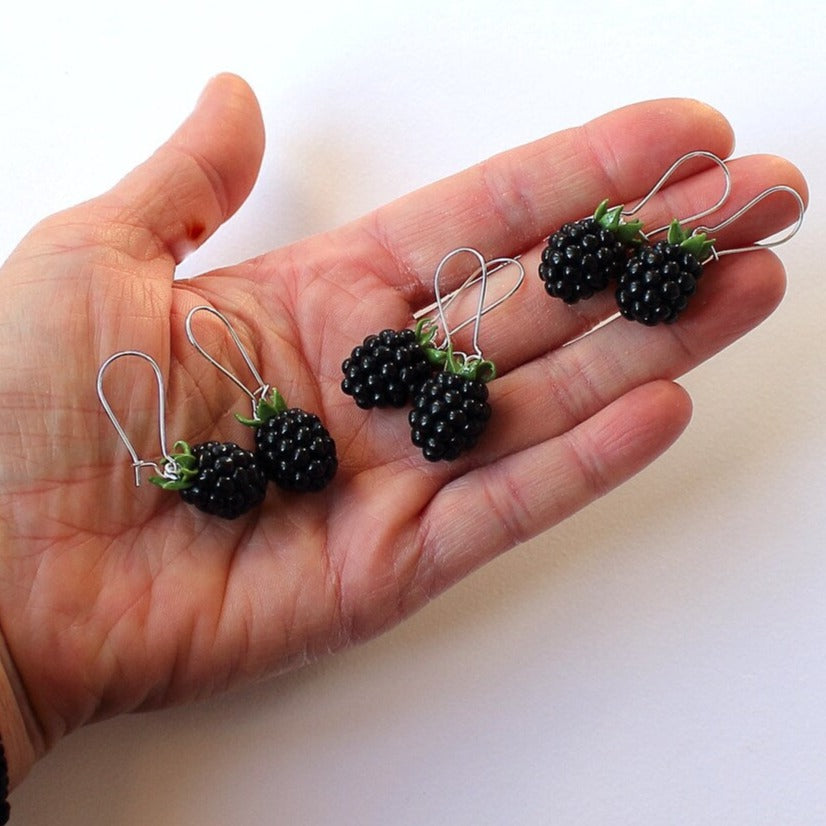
point(114, 598)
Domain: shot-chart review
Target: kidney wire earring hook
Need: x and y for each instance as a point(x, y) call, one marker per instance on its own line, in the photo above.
point(168, 469)
point(263, 388)
point(451, 410)
point(627, 213)
point(660, 279)
point(388, 368)
point(218, 478)
point(584, 257)
point(480, 275)
point(442, 305)
point(294, 448)
point(759, 245)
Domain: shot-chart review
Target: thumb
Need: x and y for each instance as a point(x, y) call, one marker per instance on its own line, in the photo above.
point(202, 174)
point(170, 204)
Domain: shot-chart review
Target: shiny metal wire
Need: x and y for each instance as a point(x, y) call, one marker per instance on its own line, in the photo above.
point(700, 153)
point(440, 304)
point(168, 469)
point(262, 389)
point(759, 245)
point(480, 274)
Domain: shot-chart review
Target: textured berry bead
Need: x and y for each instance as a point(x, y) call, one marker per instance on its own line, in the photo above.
point(296, 450)
point(580, 259)
point(229, 482)
point(657, 283)
point(386, 369)
point(449, 414)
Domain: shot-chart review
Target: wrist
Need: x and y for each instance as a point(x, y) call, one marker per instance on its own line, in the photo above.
point(14, 732)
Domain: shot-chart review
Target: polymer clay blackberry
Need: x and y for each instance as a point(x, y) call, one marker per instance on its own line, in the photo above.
point(388, 367)
point(219, 478)
point(584, 257)
point(293, 447)
point(659, 279)
point(451, 410)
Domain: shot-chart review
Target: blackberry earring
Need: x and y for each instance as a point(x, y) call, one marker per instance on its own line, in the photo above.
point(584, 257)
point(388, 368)
point(659, 280)
point(219, 478)
point(292, 446)
point(451, 409)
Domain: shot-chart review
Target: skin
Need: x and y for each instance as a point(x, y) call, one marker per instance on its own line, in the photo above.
point(115, 598)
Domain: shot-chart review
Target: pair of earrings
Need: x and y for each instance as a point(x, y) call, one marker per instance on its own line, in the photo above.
point(446, 388)
point(654, 280)
point(293, 449)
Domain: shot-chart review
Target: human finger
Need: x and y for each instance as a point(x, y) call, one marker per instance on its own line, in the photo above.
point(531, 322)
point(499, 505)
point(553, 393)
point(508, 203)
point(556, 391)
point(172, 202)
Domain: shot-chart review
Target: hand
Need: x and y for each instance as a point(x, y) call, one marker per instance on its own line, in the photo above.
point(114, 598)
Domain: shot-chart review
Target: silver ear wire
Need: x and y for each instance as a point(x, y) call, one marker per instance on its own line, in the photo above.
point(700, 153)
point(760, 245)
point(137, 463)
point(494, 265)
point(263, 387)
point(480, 274)
point(440, 304)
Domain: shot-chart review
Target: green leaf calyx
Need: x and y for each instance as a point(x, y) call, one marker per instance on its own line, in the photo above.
point(469, 367)
point(697, 244)
point(268, 407)
point(179, 469)
point(426, 330)
point(629, 232)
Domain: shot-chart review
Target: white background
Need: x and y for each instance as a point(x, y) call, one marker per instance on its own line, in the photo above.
point(658, 659)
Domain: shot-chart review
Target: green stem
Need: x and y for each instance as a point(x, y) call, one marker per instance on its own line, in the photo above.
point(697, 244)
point(266, 409)
point(629, 232)
point(470, 368)
point(184, 468)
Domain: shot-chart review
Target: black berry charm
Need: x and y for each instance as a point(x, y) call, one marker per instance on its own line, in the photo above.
point(293, 446)
point(584, 257)
point(451, 410)
point(219, 478)
point(387, 368)
point(659, 279)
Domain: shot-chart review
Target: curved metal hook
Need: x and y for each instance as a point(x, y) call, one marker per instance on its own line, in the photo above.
point(263, 387)
point(494, 265)
point(700, 153)
point(137, 462)
point(759, 245)
point(441, 306)
point(480, 273)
